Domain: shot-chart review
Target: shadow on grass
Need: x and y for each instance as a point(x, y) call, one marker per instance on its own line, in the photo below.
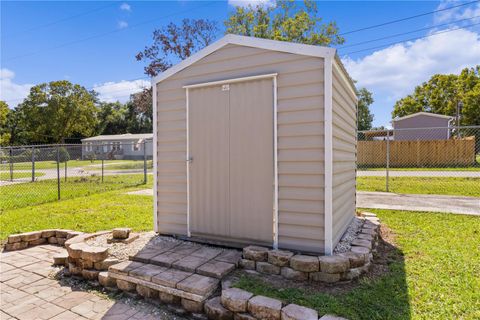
point(381, 294)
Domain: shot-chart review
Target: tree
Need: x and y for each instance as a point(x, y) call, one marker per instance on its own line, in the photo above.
point(4, 133)
point(442, 93)
point(176, 42)
point(141, 106)
point(364, 116)
point(57, 110)
point(111, 118)
point(285, 21)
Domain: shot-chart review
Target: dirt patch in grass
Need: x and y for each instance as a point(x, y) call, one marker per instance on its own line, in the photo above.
point(386, 254)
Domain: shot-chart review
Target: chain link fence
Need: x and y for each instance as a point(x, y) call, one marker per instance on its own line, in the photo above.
point(438, 160)
point(35, 174)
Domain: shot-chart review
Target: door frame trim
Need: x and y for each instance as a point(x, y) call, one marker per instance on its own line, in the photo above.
point(273, 76)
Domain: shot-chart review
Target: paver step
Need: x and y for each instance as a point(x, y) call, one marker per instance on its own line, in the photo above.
point(193, 258)
point(176, 282)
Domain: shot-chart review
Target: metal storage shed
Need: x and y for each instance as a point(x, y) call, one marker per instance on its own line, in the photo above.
point(255, 143)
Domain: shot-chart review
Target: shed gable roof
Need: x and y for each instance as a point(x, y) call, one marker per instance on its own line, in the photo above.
point(423, 114)
point(282, 46)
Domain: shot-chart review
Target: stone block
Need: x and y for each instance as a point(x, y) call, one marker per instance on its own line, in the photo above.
point(146, 292)
point(60, 259)
point(170, 278)
point(189, 263)
point(304, 263)
point(230, 256)
point(369, 231)
point(356, 259)
point(291, 274)
point(105, 264)
point(90, 274)
point(124, 267)
point(126, 286)
point(216, 269)
point(75, 250)
point(61, 241)
point(215, 310)
point(267, 268)
point(247, 264)
point(243, 316)
point(255, 253)
point(324, 277)
point(207, 252)
point(279, 258)
point(334, 264)
point(168, 298)
point(85, 264)
point(367, 214)
point(94, 254)
point(14, 238)
point(296, 312)
point(198, 284)
point(121, 233)
point(37, 242)
point(265, 308)
point(235, 299)
point(192, 306)
point(352, 274)
point(362, 243)
point(166, 259)
point(48, 233)
point(30, 236)
point(16, 246)
point(62, 233)
point(146, 272)
point(362, 251)
point(52, 240)
point(74, 269)
point(105, 280)
point(368, 237)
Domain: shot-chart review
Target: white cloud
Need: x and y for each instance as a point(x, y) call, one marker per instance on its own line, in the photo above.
point(119, 91)
point(464, 12)
point(11, 92)
point(122, 24)
point(125, 7)
point(396, 70)
point(245, 3)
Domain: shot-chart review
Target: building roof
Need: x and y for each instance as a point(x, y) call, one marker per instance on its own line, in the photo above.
point(282, 46)
point(125, 136)
point(424, 114)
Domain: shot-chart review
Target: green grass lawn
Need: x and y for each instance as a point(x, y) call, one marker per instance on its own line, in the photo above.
point(33, 193)
point(423, 185)
point(91, 213)
point(17, 175)
point(126, 165)
point(434, 273)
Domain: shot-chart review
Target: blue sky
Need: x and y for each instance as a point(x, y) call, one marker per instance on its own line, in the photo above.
point(94, 43)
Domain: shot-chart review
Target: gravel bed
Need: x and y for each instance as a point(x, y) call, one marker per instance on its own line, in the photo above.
point(122, 251)
point(350, 234)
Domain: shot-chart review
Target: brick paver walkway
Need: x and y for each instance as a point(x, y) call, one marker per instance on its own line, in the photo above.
point(28, 292)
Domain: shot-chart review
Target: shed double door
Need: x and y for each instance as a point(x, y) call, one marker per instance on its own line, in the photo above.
point(231, 171)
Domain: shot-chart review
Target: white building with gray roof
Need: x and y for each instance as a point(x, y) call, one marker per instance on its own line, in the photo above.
point(126, 146)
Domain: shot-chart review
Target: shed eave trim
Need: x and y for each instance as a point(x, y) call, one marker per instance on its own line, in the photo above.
point(212, 83)
point(296, 48)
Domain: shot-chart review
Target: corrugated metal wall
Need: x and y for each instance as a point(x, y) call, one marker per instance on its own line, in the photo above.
point(344, 155)
point(300, 139)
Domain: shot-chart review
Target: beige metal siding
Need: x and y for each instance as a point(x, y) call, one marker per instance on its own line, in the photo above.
point(344, 155)
point(300, 137)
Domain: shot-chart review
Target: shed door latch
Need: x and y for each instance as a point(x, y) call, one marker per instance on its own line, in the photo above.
point(225, 87)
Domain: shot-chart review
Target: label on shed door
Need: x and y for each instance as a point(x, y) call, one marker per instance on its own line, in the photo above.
point(225, 87)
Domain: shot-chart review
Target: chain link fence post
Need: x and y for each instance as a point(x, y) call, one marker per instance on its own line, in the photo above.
point(103, 157)
point(33, 164)
point(58, 172)
point(387, 163)
point(145, 161)
point(11, 164)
